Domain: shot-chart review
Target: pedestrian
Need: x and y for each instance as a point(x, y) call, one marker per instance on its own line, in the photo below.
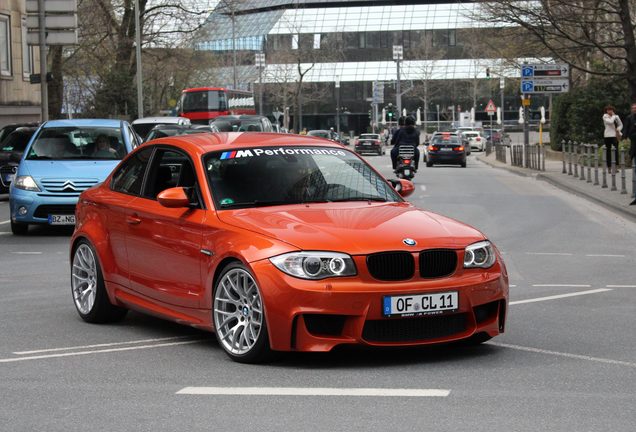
point(629, 131)
point(612, 133)
point(303, 132)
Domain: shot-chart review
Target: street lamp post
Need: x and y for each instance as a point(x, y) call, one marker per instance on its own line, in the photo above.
point(140, 95)
point(398, 55)
point(260, 64)
point(437, 116)
point(338, 104)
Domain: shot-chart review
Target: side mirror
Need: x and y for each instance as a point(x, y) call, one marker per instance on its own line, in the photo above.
point(173, 198)
point(403, 187)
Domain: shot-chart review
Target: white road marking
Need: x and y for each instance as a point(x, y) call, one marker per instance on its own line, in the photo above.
point(138, 341)
point(554, 297)
point(549, 253)
point(562, 285)
point(79, 353)
point(605, 255)
point(562, 354)
point(512, 286)
point(620, 286)
point(27, 253)
point(423, 188)
point(317, 391)
point(5, 233)
point(5, 222)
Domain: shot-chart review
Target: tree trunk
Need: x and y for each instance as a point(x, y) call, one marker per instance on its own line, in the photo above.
point(630, 46)
point(56, 86)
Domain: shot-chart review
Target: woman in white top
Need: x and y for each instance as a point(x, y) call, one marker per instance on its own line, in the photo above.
point(613, 128)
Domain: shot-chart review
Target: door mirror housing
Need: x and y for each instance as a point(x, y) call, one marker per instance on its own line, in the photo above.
point(403, 187)
point(173, 198)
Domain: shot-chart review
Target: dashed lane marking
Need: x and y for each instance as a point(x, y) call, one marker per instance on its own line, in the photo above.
point(605, 255)
point(102, 345)
point(5, 222)
point(27, 253)
point(620, 286)
point(562, 285)
point(110, 350)
point(549, 253)
point(563, 354)
point(554, 297)
point(317, 391)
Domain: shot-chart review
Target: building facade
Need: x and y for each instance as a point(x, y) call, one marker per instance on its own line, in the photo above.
point(343, 54)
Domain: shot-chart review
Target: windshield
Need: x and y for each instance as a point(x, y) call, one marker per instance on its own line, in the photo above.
point(292, 175)
point(60, 143)
point(205, 100)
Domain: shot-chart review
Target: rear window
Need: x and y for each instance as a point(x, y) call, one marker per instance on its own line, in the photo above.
point(441, 139)
point(369, 136)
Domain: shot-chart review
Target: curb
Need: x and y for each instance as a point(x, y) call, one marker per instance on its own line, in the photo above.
point(563, 186)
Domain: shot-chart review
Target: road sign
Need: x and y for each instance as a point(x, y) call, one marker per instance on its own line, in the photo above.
point(544, 70)
point(398, 52)
point(378, 92)
point(491, 108)
point(52, 6)
point(58, 37)
point(558, 85)
point(53, 22)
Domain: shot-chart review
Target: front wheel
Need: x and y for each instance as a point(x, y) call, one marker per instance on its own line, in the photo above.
point(18, 228)
point(239, 317)
point(88, 288)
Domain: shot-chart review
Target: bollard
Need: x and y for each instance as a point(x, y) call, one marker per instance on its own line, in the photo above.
point(595, 148)
point(634, 178)
point(589, 163)
point(623, 177)
point(583, 160)
point(575, 156)
point(562, 156)
point(543, 163)
point(613, 168)
point(603, 162)
point(570, 157)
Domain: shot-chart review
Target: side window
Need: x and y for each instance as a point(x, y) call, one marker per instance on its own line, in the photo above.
point(129, 177)
point(169, 169)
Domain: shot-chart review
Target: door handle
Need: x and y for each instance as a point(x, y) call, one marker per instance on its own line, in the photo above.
point(133, 219)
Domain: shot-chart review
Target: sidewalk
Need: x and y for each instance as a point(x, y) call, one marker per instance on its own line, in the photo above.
point(612, 200)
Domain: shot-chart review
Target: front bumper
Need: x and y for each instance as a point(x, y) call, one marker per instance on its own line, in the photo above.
point(38, 206)
point(446, 158)
point(305, 315)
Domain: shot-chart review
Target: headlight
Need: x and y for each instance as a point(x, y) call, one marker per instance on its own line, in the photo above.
point(479, 255)
point(315, 265)
point(26, 183)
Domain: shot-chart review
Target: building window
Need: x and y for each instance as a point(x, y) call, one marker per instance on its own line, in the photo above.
point(317, 41)
point(295, 41)
point(27, 52)
point(5, 46)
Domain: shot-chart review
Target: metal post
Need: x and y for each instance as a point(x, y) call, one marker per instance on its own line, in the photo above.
point(233, 51)
point(604, 163)
point(563, 156)
point(570, 157)
point(338, 104)
point(613, 163)
point(44, 90)
point(140, 88)
point(543, 161)
point(575, 155)
point(583, 154)
point(589, 163)
point(595, 147)
point(623, 176)
point(634, 177)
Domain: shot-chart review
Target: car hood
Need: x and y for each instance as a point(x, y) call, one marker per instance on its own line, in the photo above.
point(67, 169)
point(355, 228)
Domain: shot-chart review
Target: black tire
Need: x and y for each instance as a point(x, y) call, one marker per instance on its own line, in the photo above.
point(18, 228)
point(102, 310)
point(260, 351)
point(429, 164)
point(463, 164)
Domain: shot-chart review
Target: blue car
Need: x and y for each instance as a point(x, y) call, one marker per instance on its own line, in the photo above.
point(63, 159)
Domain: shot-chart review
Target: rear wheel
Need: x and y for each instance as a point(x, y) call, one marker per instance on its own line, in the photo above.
point(239, 317)
point(429, 164)
point(88, 288)
point(463, 164)
point(18, 228)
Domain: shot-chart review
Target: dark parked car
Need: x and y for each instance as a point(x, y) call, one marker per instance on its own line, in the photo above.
point(6, 130)
point(11, 150)
point(242, 123)
point(446, 148)
point(370, 143)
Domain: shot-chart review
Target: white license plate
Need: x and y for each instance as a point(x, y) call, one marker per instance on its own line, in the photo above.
point(420, 304)
point(61, 219)
point(8, 178)
point(366, 144)
point(446, 149)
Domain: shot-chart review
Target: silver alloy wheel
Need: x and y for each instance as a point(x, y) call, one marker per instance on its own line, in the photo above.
point(84, 279)
point(238, 311)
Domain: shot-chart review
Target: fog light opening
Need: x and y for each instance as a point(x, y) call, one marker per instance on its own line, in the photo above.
point(22, 210)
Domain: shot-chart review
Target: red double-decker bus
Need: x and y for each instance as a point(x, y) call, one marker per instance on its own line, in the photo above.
point(202, 104)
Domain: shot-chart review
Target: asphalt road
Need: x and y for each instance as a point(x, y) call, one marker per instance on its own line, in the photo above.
point(567, 361)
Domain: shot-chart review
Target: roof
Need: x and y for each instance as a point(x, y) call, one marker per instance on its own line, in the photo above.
point(162, 120)
point(207, 142)
point(83, 122)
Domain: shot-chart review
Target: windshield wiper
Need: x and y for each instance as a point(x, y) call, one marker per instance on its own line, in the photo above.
point(378, 199)
point(258, 203)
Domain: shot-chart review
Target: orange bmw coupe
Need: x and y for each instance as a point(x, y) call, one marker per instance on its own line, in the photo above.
point(279, 242)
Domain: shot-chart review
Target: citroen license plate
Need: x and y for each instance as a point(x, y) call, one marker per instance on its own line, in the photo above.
point(61, 219)
point(420, 304)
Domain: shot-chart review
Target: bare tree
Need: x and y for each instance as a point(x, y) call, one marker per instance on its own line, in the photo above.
point(592, 36)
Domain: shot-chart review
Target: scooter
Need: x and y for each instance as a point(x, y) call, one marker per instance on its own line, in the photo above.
point(405, 162)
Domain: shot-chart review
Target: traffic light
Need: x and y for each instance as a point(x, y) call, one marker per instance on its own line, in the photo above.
point(390, 114)
point(487, 73)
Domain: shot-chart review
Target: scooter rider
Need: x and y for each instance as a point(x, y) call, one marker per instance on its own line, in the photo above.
point(407, 135)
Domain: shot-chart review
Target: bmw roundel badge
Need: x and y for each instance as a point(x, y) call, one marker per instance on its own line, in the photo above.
point(409, 242)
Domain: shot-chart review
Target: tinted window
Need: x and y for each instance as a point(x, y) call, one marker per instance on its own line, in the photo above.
point(62, 143)
point(292, 175)
point(16, 142)
point(170, 169)
point(129, 177)
point(207, 100)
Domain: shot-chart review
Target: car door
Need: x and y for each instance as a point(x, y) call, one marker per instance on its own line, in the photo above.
point(164, 244)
